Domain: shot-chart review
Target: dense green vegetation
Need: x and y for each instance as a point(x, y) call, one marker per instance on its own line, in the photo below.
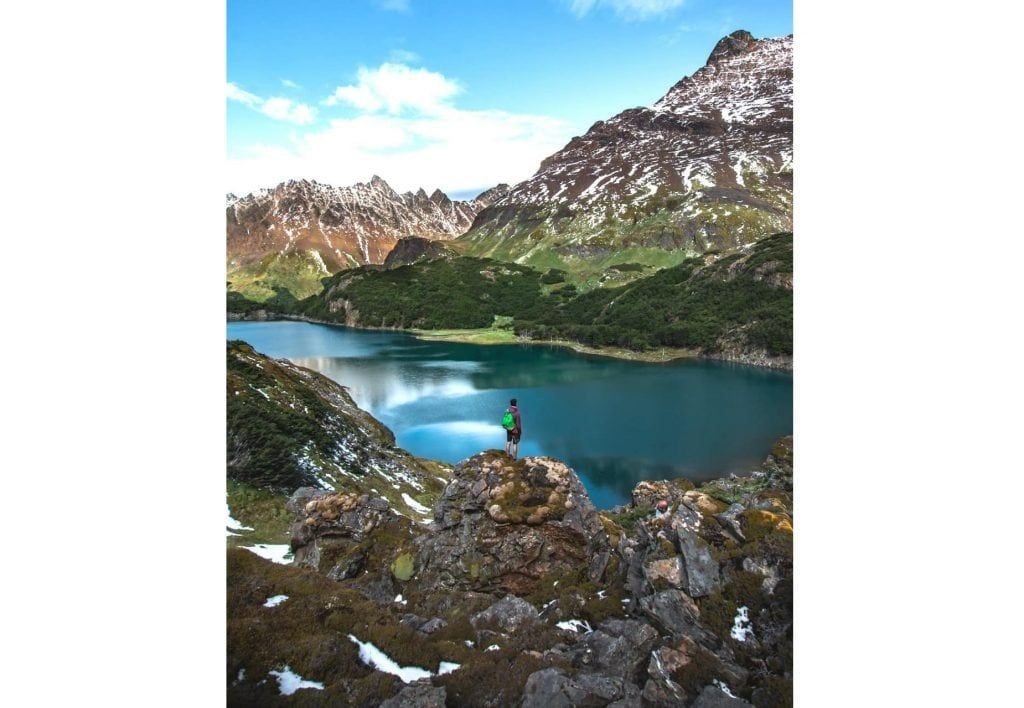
point(266, 441)
point(692, 305)
point(440, 294)
point(689, 305)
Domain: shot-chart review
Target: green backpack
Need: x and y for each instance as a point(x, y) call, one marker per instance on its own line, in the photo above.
point(508, 421)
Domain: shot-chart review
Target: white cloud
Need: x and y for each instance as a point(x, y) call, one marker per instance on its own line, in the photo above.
point(407, 130)
point(290, 84)
point(237, 94)
point(284, 109)
point(277, 108)
point(395, 87)
point(627, 9)
point(455, 150)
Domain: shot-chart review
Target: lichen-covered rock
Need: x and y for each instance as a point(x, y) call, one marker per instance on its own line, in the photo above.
point(779, 464)
point(503, 525)
point(333, 518)
point(664, 573)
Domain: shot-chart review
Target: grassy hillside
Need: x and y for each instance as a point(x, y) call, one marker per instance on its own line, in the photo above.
point(297, 275)
point(740, 302)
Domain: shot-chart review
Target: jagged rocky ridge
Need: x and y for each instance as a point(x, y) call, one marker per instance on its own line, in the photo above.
point(536, 596)
point(708, 167)
point(276, 235)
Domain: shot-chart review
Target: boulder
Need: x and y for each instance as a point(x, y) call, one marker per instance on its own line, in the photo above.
point(503, 525)
point(702, 576)
point(508, 614)
point(553, 688)
point(616, 648)
point(673, 611)
point(331, 518)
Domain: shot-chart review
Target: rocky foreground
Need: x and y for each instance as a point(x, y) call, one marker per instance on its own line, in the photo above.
point(518, 592)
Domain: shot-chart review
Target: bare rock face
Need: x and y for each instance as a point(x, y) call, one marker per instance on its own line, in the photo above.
point(413, 249)
point(504, 525)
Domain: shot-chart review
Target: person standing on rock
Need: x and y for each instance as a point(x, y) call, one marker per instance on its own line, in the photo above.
point(513, 429)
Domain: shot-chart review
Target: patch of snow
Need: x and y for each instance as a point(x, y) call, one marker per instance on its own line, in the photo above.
point(279, 553)
point(446, 667)
point(725, 689)
point(468, 642)
point(289, 682)
point(415, 505)
point(372, 656)
point(275, 600)
point(574, 625)
point(400, 600)
point(601, 594)
point(740, 626)
point(241, 674)
point(493, 647)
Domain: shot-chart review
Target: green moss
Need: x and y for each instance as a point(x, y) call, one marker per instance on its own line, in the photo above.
point(402, 567)
point(757, 524)
point(774, 691)
point(262, 509)
point(491, 678)
point(628, 518)
point(718, 612)
point(702, 669)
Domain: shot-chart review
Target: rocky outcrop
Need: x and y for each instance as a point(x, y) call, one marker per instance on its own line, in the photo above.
point(413, 249)
point(536, 598)
point(504, 525)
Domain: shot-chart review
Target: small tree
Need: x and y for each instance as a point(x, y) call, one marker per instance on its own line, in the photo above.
point(502, 322)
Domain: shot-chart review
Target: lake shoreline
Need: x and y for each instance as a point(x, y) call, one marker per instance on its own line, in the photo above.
point(490, 337)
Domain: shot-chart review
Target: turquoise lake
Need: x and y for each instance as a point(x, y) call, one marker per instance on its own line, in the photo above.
point(614, 422)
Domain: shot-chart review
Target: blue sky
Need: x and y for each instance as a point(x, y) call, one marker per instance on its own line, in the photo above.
point(456, 95)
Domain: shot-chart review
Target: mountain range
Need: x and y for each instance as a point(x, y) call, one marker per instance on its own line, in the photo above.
point(300, 231)
point(708, 168)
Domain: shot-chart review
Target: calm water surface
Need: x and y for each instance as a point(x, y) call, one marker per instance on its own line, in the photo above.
point(614, 422)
